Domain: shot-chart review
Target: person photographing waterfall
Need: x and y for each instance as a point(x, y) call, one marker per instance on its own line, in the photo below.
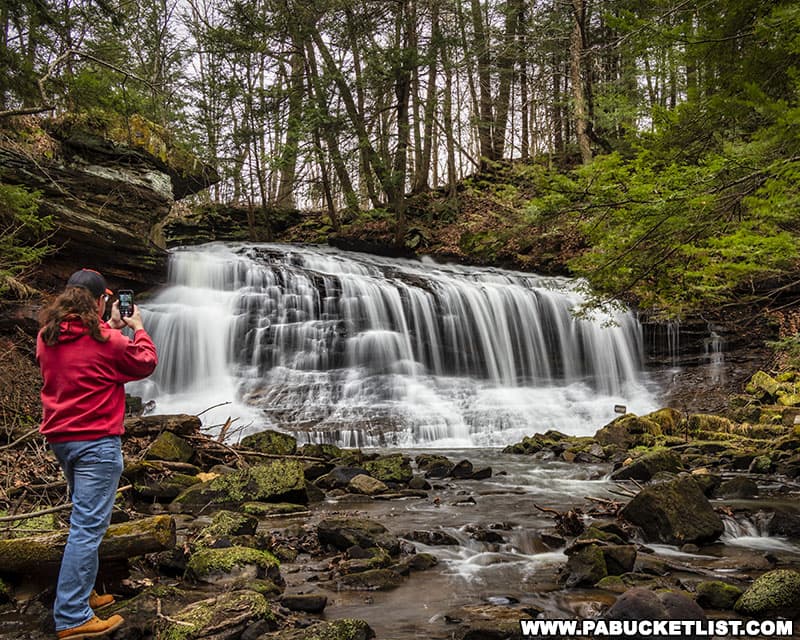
point(85, 363)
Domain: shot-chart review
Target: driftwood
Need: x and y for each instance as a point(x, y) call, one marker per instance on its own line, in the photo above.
point(33, 554)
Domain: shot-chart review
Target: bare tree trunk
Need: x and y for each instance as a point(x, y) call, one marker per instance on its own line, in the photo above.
point(485, 116)
point(285, 198)
point(424, 165)
point(576, 50)
point(448, 124)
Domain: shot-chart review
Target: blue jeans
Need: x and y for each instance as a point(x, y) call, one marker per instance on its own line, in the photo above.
point(92, 469)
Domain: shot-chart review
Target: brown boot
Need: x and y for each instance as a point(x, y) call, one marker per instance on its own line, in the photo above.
point(94, 628)
point(96, 601)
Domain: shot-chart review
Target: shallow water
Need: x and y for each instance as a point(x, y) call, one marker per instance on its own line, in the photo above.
point(520, 569)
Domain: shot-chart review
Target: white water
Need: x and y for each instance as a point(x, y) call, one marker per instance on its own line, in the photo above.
point(368, 351)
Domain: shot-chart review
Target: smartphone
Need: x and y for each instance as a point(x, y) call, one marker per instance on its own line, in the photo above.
point(125, 302)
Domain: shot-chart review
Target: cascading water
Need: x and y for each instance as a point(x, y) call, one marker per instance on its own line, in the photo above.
point(368, 351)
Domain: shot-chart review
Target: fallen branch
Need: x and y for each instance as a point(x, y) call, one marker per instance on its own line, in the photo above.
point(62, 507)
point(22, 438)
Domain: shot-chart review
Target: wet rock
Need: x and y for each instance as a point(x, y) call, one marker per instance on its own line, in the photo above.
point(434, 466)
point(421, 561)
point(776, 593)
point(785, 521)
point(432, 538)
point(482, 534)
point(392, 469)
point(366, 485)
point(674, 512)
point(278, 481)
point(265, 509)
point(620, 558)
point(346, 629)
point(649, 465)
point(708, 482)
point(223, 617)
point(342, 533)
point(171, 447)
point(629, 431)
point(585, 566)
point(419, 483)
point(339, 477)
point(271, 442)
point(761, 464)
point(305, 602)
point(371, 580)
point(715, 594)
point(482, 474)
point(462, 470)
point(232, 564)
point(639, 603)
point(739, 487)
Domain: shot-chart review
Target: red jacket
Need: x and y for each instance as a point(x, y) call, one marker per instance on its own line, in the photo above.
point(83, 395)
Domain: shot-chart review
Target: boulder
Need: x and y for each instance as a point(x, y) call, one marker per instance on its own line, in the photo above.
point(170, 447)
point(763, 386)
point(776, 593)
point(343, 533)
point(226, 524)
point(226, 615)
point(434, 466)
point(232, 564)
point(271, 442)
point(339, 477)
point(674, 512)
point(739, 487)
point(366, 485)
point(644, 468)
point(150, 426)
point(640, 603)
point(629, 431)
point(392, 469)
point(432, 538)
point(278, 481)
point(715, 594)
point(370, 580)
point(462, 470)
point(305, 602)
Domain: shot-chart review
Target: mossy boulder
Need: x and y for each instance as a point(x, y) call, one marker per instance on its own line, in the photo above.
point(776, 593)
point(226, 524)
point(629, 431)
point(224, 616)
point(715, 594)
point(705, 424)
point(345, 629)
point(5, 593)
point(171, 447)
point(644, 468)
point(761, 464)
point(271, 442)
point(586, 566)
point(391, 469)
point(674, 512)
point(763, 386)
point(232, 564)
point(278, 481)
point(324, 451)
point(739, 487)
point(668, 419)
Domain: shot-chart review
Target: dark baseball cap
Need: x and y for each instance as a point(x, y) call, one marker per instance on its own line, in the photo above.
point(91, 280)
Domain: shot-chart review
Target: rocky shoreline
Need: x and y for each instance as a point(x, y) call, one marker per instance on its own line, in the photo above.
point(241, 542)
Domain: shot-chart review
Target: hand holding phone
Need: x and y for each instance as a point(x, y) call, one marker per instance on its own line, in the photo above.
point(125, 303)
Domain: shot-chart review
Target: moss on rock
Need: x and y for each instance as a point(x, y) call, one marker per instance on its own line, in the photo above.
point(272, 442)
point(715, 594)
point(262, 509)
point(395, 468)
point(776, 593)
point(210, 563)
point(229, 611)
point(345, 629)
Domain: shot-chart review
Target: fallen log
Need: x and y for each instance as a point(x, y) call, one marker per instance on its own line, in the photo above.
point(123, 540)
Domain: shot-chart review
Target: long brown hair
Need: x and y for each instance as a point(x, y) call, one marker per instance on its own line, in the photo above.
point(75, 303)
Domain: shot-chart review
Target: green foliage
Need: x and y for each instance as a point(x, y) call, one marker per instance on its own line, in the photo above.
point(789, 348)
point(23, 234)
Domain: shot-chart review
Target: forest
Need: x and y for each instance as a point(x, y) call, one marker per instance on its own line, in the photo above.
point(662, 137)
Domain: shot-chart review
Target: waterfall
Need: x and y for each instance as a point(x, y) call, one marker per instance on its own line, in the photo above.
point(367, 351)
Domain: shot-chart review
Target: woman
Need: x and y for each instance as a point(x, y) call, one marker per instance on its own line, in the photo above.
point(85, 364)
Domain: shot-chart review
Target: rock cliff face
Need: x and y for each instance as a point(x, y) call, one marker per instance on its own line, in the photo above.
point(107, 183)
